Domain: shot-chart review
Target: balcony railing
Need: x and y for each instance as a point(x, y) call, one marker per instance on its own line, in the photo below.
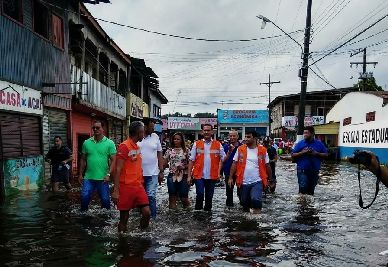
point(96, 94)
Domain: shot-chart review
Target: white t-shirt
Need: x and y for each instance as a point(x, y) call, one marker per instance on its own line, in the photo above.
point(251, 172)
point(149, 146)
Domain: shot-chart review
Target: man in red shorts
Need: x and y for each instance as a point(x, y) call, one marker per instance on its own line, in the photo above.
point(129, 192)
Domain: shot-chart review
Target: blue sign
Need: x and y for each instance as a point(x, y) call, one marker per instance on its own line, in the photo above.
point(242, 116)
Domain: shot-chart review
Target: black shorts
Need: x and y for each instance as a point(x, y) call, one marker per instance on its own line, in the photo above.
point(60, 176)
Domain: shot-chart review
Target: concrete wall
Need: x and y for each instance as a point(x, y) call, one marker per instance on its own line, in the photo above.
point(356, 105)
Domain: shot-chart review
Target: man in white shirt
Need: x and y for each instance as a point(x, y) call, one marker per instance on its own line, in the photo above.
point(251, 166)
point(205, 165)
point(152, 162)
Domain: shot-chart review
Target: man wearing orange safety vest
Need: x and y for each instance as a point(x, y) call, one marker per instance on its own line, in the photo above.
point(129, 192)
point(251, 166)
point(204, 166)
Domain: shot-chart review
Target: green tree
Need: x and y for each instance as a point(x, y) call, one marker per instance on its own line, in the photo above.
point(205, 115)
point(368, 84)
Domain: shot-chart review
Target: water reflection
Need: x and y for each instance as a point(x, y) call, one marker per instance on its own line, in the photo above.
point(327, 230)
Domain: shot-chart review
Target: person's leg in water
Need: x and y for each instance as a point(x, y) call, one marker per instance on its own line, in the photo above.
point(183, 189)
point(255, 197)
point(245, 197)
point(200, 191)
point(172, 192)
point(145, 217)
point(124, 215)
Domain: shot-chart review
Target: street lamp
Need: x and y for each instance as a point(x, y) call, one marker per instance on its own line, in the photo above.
point(303, 73)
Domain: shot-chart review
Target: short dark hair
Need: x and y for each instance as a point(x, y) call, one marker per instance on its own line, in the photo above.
point(147, 121)
point(206, 124)
point(100, 122)
point(134, 127)
point(252, 132)
point(60, 138)
point(310, 129)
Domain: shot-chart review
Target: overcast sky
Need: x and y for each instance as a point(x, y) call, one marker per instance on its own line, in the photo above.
point(198, 76)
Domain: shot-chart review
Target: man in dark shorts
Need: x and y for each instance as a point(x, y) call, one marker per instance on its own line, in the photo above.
point(129, 192)
point(273, 157)
point(59, 157)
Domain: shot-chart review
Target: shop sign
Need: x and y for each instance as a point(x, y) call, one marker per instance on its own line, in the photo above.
point(23, 173)
point(242, 116)
point(136, 106)
point(183, 123)
point(292, 121)
point(18, 98)
point(369, 135)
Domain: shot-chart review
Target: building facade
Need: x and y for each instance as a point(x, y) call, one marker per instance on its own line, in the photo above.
point(363, 128)
point(33, 54)
point(285, 109)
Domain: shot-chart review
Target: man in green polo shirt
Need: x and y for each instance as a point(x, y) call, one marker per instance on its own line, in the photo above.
point(98, 154)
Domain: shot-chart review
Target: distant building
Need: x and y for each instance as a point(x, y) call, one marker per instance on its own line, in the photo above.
point(241, 121)
point(362, 126)
point(285, 110)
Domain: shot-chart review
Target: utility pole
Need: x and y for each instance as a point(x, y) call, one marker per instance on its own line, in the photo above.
point(303, 73)
point(269, 83)
point(364, 75)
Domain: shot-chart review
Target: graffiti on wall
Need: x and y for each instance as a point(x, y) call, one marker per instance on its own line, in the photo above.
point(23, 173)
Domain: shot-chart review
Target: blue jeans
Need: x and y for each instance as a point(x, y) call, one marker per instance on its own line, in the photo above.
point(251, 195)
point(151, 185)
point(176, 189)
point(204, 189)
point(307, 180)
point(88, 187)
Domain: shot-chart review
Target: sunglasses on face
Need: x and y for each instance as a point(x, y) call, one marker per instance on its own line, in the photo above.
point(96, 127)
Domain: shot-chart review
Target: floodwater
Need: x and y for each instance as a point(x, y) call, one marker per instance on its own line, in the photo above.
point(41, 229)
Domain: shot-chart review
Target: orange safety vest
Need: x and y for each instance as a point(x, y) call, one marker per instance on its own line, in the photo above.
point(242, 161)
point(215, 158)
point(132, 173)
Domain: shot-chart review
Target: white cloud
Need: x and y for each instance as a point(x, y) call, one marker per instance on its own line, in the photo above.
point(231, 72)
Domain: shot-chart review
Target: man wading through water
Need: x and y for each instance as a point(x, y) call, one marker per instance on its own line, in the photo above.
point(308, 154)
point(129, 192)
point(205, 165)
point(59, 157)
point(98, 155)
point(152, 162)
point(230, 150)
point(251, 166)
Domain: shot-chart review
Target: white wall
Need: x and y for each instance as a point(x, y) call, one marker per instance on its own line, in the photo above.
point(356, 105)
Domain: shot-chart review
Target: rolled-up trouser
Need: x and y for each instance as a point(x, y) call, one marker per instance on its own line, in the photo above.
point(204, 189)
point(251, 195)
point(307, 180)
point(88, 187)
point(176, 188)
point(151, 185)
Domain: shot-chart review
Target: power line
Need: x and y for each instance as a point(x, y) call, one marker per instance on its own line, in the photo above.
point(190, 38)
point(351, 39)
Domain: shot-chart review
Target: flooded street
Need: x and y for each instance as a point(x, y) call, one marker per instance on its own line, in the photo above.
point(39, 229)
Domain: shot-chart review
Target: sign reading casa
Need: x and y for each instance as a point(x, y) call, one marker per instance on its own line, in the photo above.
point(19, 98)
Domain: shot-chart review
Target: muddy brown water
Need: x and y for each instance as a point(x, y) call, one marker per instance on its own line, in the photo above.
point(42, 229)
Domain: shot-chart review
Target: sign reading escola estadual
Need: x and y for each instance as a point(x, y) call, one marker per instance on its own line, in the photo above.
point(18, 98)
